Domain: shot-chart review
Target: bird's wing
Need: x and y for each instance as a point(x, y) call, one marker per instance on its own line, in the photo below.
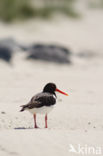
point(46, 99)
point(35, 104)
point(39, 100)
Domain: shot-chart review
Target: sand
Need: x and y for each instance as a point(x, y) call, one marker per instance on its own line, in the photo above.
point(76, 119)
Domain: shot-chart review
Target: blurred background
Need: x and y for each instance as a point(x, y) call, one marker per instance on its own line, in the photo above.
point(58, 41)
point(51, 31)
point(58, 34)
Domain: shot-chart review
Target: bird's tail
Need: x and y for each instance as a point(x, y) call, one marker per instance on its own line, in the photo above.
point(23, 108)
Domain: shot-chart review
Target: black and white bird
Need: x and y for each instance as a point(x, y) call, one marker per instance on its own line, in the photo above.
point(43, 102)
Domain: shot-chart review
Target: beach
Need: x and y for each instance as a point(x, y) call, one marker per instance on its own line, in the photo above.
point(76, 119)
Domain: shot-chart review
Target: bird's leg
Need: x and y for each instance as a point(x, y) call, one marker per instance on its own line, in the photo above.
point(35, 125)
point(46, 125)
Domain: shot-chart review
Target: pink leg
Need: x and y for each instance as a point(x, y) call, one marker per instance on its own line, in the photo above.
point(46, 125)
point(35, 125)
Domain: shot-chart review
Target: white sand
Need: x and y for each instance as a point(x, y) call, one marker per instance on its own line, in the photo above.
point(77, 119)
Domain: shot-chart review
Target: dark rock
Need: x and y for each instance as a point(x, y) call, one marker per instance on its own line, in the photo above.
point(5, 53)
point(63, 49)
point(8, 47)
point(51, 53)
point(36, 46)
point(51, 46)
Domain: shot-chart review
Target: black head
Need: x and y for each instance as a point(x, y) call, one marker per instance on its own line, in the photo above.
point(50, 87)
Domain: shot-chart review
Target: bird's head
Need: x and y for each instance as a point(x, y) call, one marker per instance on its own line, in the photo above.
point(51, 88)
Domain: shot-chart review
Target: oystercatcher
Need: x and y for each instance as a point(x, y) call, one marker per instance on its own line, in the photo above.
point(43, 102)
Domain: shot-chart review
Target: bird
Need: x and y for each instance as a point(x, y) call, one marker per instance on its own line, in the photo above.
point(43, 102)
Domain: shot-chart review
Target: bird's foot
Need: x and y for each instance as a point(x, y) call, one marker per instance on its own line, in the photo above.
point(36, 126)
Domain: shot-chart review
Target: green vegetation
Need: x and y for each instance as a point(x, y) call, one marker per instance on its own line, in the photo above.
point(96, 4)
point(11, 10)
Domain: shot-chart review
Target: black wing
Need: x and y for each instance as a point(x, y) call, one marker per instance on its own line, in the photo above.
point(31, 105)
point(40, 100)
point(46, 99)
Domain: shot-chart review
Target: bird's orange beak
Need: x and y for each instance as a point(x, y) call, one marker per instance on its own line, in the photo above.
point(57, 90)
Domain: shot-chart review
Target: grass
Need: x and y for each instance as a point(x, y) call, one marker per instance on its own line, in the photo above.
point(96, 4)
point(11, 10)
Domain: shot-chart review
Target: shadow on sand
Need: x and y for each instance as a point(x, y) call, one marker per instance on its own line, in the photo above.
point(23, 128)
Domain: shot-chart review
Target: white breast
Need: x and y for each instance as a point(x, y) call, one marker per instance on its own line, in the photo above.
point(41, 110)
